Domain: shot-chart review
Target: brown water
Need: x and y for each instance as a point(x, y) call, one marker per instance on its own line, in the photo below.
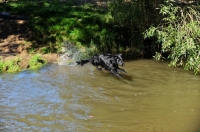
point(151, 98)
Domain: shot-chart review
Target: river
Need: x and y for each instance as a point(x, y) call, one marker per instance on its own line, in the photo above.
point(151, 97)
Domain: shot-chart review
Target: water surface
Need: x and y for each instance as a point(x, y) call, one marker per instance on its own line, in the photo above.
point(151, 98)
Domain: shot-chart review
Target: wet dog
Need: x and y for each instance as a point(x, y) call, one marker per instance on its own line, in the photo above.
point(106, 61)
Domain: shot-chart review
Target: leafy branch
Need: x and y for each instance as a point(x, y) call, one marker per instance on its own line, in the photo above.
point(179, 34)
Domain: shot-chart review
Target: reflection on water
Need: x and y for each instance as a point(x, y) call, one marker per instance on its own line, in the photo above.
point(150, 98)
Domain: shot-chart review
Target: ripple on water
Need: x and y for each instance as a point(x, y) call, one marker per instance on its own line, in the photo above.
point(152, 97)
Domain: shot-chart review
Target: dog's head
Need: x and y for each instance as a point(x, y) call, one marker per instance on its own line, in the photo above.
point(118, 59)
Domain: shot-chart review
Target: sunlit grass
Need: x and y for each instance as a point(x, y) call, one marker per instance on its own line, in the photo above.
point(10, 65)
point(52, 23)
point(36, 62)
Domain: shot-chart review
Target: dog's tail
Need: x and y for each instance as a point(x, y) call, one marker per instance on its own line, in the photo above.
point(82, 62)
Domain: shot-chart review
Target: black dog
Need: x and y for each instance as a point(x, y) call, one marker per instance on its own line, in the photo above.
point(107, 62)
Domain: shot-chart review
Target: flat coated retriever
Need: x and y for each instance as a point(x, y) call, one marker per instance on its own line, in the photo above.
point(106, 61)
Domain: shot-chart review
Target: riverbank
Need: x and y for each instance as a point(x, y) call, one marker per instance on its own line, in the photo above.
point(34, 32)
point(14, 44)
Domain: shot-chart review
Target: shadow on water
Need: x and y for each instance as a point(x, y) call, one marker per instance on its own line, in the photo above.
point(128, 77)
point(151, 97)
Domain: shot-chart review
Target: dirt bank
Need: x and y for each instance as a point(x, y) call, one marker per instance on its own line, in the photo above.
point(14, 36)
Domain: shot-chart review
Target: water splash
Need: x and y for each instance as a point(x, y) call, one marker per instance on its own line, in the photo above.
point(70, 54)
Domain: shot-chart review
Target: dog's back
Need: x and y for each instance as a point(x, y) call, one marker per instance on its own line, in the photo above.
point(94, 60)
point(107, 62)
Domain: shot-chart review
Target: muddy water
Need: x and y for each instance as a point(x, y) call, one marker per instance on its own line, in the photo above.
point(151, 98)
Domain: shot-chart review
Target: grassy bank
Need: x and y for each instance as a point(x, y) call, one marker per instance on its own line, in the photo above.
point(52, 23)
point(87, 27)
point(18, 64)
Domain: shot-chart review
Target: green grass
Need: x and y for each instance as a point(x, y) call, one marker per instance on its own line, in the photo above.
point(53, 23)
point(10, 66)
point(36, 62)
point(87, 27)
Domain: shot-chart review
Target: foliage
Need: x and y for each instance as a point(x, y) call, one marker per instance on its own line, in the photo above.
point(36, 62)
point(52, 23)
point(130, 19)
point(14, 65)
point(115, 30)
point(57, 26)
point(9, 65)
point(179, 34)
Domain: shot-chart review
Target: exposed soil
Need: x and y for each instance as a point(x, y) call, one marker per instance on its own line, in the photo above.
point(14, 35)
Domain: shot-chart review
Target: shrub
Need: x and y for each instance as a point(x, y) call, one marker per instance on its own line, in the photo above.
point(131, 18)
point(36, 62)
point(9, 65)
point(179, 35)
